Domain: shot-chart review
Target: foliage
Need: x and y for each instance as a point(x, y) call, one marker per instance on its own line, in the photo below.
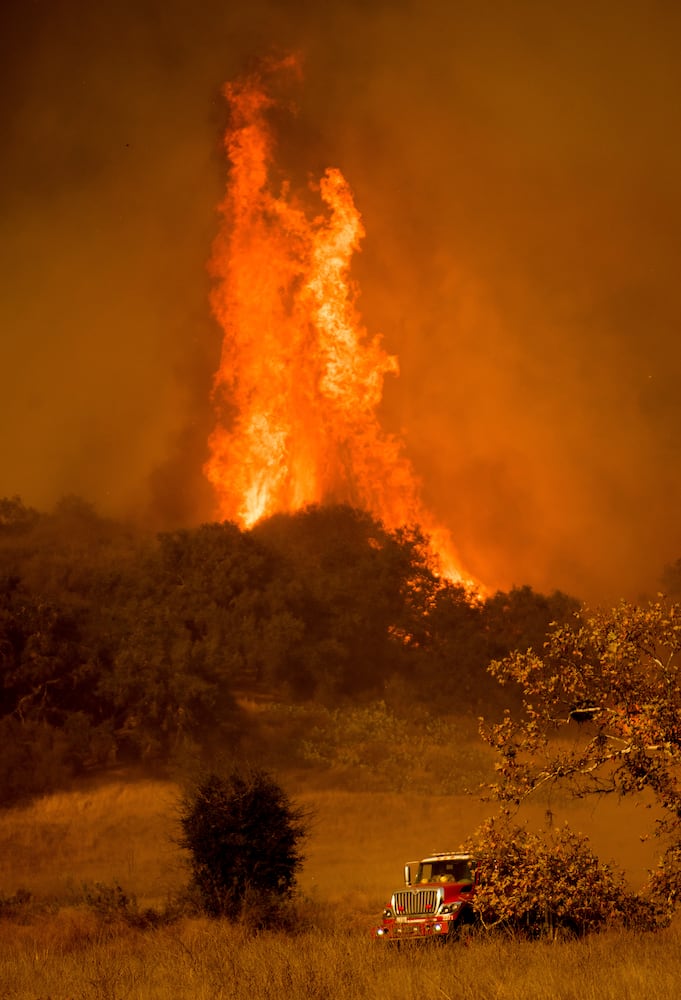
point(15, 517)
point(358, 592)
point(601, 714)
point(113, 904)
point(33, 759)
point(460, 638)
point(119, 647)
point(243, 836)
point(19, 906)
point(671, 580)
point(384, 750)
point(534, 884)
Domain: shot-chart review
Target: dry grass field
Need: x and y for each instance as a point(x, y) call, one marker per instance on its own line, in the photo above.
point(62, 948)
point(200, 960)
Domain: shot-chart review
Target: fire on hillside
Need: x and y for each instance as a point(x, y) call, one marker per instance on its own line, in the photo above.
point(299, 383)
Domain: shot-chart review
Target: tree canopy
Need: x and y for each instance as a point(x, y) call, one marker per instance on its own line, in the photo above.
point(243, 837)
point(117, 645)
point(601, 714)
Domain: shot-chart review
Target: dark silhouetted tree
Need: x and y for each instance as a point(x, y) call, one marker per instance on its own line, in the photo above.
point(358, 591)
point(671, 580)
point(243, 836)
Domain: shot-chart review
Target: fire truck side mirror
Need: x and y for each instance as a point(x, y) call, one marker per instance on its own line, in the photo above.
point(407, 874)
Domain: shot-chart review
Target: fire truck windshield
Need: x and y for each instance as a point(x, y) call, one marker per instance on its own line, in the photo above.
point(445, 871)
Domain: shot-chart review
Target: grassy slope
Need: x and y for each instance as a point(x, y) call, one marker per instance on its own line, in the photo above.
point(358, 844)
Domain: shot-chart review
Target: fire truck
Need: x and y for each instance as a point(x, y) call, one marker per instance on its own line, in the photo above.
point(436, 902)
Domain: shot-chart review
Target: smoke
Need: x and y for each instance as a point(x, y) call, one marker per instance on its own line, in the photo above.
point(517, 172)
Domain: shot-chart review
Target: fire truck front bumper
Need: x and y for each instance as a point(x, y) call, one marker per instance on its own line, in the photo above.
point(416, 930)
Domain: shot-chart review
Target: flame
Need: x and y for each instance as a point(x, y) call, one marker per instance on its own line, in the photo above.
point(300, 380)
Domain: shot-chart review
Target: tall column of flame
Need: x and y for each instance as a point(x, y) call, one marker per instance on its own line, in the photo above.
point(300, 380)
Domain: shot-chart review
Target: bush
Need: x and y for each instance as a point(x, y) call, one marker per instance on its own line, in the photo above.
point(425, 751)
point(539, 885)
point(243, 837)
point(17, 907)
point(113, 905)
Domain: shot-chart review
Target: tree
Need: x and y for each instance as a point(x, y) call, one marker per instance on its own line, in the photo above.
point(243, 836)
point(671, 580)
point(357, 592)
point(15, 517)
point(612, 682)
point(520, 618)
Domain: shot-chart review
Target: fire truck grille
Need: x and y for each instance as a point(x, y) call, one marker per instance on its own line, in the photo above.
point(417, 902)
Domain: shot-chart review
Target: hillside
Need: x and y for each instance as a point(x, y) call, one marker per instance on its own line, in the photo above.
point(120, 647)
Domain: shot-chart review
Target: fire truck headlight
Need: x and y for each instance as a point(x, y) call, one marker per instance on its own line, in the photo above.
point(388, 912)
point(380, 931)
point(451, 907)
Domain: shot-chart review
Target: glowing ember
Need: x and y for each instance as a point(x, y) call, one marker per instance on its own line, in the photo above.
point(300, 380)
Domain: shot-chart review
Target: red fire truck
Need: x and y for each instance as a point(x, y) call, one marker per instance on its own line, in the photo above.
point(436, 902)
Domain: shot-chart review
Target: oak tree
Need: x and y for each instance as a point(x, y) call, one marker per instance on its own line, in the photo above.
point(601, 714)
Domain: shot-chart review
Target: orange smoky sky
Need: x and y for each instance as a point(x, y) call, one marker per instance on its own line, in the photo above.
point(516, 167)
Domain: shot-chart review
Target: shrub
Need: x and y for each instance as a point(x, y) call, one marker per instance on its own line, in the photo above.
point(113, 905)
point(532, 884)
point(243, 837)
point(17, 907)
point(425, 751)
